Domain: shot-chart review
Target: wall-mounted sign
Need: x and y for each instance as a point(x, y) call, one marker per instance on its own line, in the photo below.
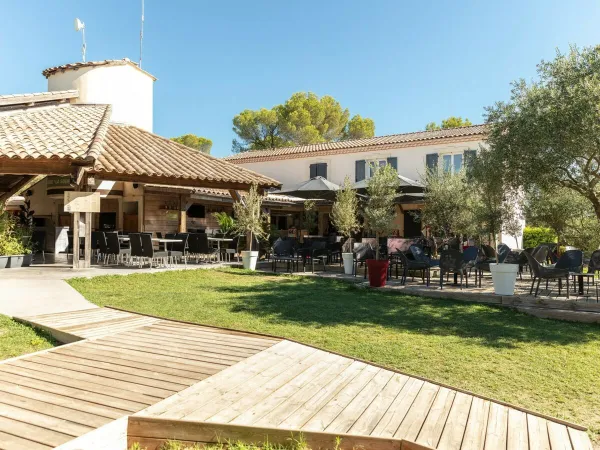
point(82, 202)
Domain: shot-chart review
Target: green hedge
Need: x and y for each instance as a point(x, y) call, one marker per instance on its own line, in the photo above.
point(533, 236)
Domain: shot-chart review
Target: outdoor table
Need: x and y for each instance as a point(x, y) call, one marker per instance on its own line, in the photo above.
point(218, 241)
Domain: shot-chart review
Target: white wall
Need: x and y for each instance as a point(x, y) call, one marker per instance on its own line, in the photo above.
point(411, 163)
point(126, 88)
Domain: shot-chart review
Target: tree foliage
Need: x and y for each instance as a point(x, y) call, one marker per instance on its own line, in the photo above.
point(380, 211)
point(304, 118)
point(309, 216)
point(344, 212)
point(450, 122)
point(196, 142)
point(249, 218)
point(548, 134)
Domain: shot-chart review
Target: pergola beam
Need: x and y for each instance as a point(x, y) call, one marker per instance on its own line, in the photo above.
point(15, 188)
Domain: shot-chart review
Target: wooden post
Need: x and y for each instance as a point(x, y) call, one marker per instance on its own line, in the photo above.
point(183, 207)
point(76, 240)
point(88, 240)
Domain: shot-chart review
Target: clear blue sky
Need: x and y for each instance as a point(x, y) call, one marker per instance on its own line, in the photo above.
point(401, 63)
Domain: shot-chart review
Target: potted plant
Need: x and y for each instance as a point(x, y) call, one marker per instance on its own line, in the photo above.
point(13, 250)
point(250, 223)
point(344, 215)
point(226, 223)
point(380, 214)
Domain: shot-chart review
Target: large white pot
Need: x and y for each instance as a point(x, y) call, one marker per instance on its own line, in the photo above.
point(348, 259)
point(249, 259)
point(504, 277)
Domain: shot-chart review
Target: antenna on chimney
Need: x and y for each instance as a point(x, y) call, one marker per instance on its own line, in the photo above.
point(80, 26)
point(141, 34)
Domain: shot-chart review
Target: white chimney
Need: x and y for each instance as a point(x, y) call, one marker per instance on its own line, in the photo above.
point(120, 83)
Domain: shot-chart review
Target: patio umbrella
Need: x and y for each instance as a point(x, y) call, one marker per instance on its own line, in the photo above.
point(317, 188)
point(406, 185)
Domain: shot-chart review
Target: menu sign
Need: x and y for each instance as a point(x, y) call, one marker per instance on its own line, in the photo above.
point(82, 202)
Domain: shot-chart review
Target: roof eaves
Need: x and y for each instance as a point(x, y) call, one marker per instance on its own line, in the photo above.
point(97, 142)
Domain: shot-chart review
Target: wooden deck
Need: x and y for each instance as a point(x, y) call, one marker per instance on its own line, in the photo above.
point(51, 397)
point(291, 387)
point(202, 384)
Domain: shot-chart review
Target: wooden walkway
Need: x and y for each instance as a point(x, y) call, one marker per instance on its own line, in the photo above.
point(292, 387)
point(202, 384)
point(51, 397)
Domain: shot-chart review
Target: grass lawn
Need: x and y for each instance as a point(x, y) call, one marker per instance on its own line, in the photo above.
point(548, 366)
point(17, 339)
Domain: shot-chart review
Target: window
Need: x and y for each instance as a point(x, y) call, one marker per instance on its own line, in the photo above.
point(318, 170)
point(452, 162)
point(361, 172)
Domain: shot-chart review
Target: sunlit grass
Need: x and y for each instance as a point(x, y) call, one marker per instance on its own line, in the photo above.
point(17, 339)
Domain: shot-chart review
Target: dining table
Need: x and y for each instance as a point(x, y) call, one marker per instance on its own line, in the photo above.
point(218, 241)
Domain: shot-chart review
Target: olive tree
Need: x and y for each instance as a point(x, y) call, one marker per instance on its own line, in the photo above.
point(344, 212)
point(249, 218)
point(380, 211)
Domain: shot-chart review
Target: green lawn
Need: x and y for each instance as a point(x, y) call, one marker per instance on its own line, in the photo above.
point(549, 366)
point(17, 339)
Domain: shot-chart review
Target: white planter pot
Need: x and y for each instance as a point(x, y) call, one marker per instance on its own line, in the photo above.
point(348, 259)
point(504, 277)
point(249, 259)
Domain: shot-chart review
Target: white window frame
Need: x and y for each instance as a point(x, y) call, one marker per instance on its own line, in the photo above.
point(452, 156)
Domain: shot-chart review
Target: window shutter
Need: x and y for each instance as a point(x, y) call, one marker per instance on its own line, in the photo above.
point(393, 162)
point(431, 161)
point(468, 157)
point(313, 170)
point(322, 170)
point(360, 172)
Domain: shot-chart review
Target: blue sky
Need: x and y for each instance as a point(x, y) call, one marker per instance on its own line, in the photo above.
point(401, 63)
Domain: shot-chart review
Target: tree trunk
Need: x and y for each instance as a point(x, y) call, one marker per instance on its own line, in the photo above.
point(249, 243)
point(377, 246)
point(596, 204)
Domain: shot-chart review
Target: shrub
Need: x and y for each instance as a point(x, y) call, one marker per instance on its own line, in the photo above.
point(534, 236)
point(11, 236)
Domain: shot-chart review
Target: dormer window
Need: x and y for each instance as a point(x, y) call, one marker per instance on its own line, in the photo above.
point(318, 170)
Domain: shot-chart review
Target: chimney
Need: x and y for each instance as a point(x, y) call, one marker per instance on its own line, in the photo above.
point(120, 83)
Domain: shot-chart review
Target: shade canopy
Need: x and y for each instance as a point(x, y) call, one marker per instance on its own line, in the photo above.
point(317, 188)
point(406, 185)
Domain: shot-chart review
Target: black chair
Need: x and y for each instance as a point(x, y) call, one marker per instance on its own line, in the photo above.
point(317, 250)
point(451, 261)
point(204, 248)
point(419, 255)
point(38, 240)
point(572, 260)
point(232, 248)
point(179, 249)
point(335, 252)
point(114, 248)
point(135, 239)
point(594, 264)
point(149, 254)
point(102, 246)
point(540, 253)
point(502, 253)
point(362, 252)
point(545, 273)
point(409, 265)
point(283, 251)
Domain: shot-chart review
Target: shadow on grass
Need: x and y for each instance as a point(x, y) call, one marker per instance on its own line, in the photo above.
point(318, 302)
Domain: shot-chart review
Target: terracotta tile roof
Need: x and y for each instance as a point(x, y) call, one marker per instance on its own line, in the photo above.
point(18, 99)
point(128, 150)
point(67, 132)
point(224, 193)
point(360, 145)
point(107, 62)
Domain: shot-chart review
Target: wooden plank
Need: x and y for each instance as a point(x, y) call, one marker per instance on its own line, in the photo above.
point(76, 416)
point(42, 420)
point(197, 395)
point(39, 435)
point(330, 411)
point(100, 321)
point(579, 439)
point(358, 405)
point(295, 401)
point(112, 436)
point(322, 397)
point(393, 417)
point(538, 433)
point(60, 400)
point(133, 398)
point(367, 422)
point(148, 370)
point(517, 430)
point(497, 428)
point(195, 368)
point(474, 437)
point(61, 389)
point(142, 427)
point(278, 396)
point(12, 442)
point(134, 391)
point(229, 407)
point(226, 332)
point(456, 423)
point(433, 426)
point(559, 436)
point(113, 372)
point(416, 415)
